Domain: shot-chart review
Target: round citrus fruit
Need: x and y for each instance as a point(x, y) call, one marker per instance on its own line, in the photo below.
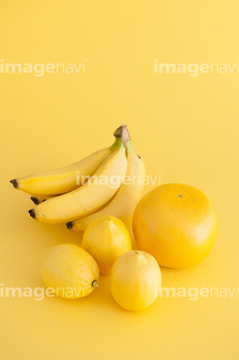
point(135, 280)
point(106, 238)
point(177, 224)
point(70, 271)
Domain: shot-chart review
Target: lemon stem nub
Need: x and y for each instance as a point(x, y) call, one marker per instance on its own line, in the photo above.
point(94, 283)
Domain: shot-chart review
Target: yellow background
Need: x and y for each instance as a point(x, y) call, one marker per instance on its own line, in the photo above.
point(186, 127)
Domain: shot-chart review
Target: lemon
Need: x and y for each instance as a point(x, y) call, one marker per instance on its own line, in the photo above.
point(177, 224)
point(106, 238)
point(70, 271)
point(135, 280)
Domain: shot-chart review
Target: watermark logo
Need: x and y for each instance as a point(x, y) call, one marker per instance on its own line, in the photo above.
point(192, 293)
point(40, 69)
point(115, 181)
point(194, 69)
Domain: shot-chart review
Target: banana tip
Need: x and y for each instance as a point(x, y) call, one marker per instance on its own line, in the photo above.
point(69, 225)
point(14, 183)
point(32, 213)
point(35, 200)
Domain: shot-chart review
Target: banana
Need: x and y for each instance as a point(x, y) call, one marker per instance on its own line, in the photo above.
point(38, 199)
point(92, 195)
point(60, 181)
point(123, 204)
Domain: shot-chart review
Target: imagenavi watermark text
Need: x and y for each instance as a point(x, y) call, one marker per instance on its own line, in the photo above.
point(115, 181)
point(192, 293)
point(40, 69)
point(194, 69)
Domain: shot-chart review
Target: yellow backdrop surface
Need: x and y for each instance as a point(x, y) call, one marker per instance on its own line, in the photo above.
point(184, 127)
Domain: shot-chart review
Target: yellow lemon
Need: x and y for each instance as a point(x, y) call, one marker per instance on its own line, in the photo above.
point(70, 271)
point(106, 238)
point(135, 280)
point(177, 224)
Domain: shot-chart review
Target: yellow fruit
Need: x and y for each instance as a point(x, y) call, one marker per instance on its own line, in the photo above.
point(60, 181)
point(70, 271)
point(177, 224)
point(96, 192)
point(106, 238)
point(135, 280)
point(124, 202)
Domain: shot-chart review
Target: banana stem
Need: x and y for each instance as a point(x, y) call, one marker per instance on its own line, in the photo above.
point(129, 148)
point(123, 133)
point(118, 132)
point(114, 145)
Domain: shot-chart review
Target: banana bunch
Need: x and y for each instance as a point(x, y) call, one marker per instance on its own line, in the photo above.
point(79, 193)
